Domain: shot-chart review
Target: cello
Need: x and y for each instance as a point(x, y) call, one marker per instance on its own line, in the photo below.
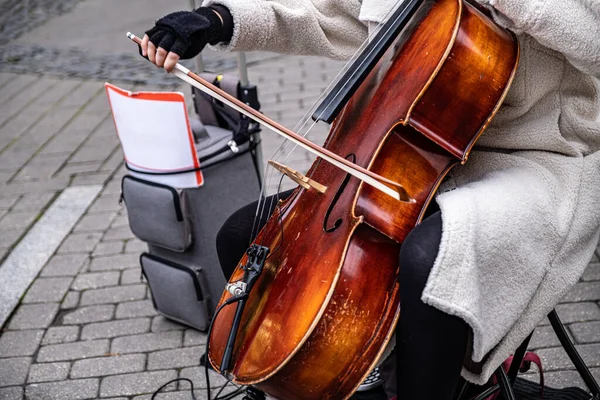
point(317, 294)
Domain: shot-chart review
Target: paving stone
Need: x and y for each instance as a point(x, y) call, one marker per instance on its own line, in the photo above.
point(135, 246)
point(11, 393)
point(586, 332)
point(21, 343)
point(563, 379)
point(13, 371)
point(95, 280)
point(108, 248)
point(71, 301)
point(65, 142)
point(97, 178)
point(132, 384)
point(576, 312)
point(112, 365)
point(86, 315)
point(5, 175)
point(40, 186)
point(65, 390)
point(543, 336)
point(44, 290)
point(182, 395)
point(162, 324)
point(71, 168)
point(583, 291)
point(146, 342)
point(131, 276)
point(557, 379)
point(116, 328)
point(121, 221)
point(61, 334)
point(73, 351)
point(196, 375)
point(65, 265)
point(592, 272)
point(48, 372)
point(30, 316)
point(113, 187)
point(556, 358)
point(596, 373)
point(117, 262)
point(8, 202)
point(105, 203)
point(17, 219)
point(91, 151)
point(120, 233)
point(95, 222)
point(41, 166)
point(178, 358)
point(115, 294)
point(194, 338)
point(3, 252)
point(134, 309)
point(80, 242)
point(10, 236)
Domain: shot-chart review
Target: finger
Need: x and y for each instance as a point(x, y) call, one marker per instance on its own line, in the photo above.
point(151, 52)
point(179, 47)
point(170, 62)
point(161, 54)
point(144, 45)
point(163, 48)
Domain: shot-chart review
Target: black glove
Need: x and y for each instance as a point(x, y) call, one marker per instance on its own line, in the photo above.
point(185, 33)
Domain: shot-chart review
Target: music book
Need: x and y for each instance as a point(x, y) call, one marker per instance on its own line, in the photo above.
point(156, 137)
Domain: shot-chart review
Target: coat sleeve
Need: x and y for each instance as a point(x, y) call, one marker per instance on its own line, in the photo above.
point(571, 27)
point(329, 28)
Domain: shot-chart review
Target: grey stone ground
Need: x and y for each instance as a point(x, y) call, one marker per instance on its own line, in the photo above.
point(86, 327)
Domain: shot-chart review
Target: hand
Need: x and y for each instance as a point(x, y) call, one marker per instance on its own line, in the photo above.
point(182, 34)
point(160, 58)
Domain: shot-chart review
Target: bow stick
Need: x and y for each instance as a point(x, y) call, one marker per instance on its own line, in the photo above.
point(387, 186)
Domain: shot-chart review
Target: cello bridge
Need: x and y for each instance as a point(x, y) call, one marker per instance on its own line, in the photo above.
point(297, 177)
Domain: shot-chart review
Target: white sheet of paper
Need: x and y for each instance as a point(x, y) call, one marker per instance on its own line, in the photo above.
point(155, 134)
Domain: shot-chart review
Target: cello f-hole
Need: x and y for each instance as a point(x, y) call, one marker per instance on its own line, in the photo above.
point(338, 222)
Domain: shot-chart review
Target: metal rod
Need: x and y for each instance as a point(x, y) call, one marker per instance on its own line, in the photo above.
point(518, 359)
point(573, 354)
point(198, 59)
point(505, 388)
point(242, 68)
point(463, 391)
point(488, 392)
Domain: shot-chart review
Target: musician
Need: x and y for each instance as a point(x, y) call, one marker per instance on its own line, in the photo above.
point(516, 225)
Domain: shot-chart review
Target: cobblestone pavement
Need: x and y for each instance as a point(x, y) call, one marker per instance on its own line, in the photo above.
point(19, 16)
point(86, 327)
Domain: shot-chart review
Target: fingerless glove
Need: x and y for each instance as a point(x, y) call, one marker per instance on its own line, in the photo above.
point(186, 33)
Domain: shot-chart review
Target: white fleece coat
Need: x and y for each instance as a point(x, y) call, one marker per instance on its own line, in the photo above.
point(521, 218)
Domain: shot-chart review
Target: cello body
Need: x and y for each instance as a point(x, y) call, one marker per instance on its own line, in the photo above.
point(326, 304)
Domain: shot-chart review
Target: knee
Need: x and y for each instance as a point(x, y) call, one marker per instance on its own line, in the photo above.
point(233, 239)
point(418, 253)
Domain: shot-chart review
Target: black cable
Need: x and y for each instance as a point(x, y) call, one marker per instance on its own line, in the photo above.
point(233, 394)
point(173, 381)
point(221, 390)
point(227, 302)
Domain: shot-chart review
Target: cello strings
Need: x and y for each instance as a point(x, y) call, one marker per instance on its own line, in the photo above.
point(268, 172)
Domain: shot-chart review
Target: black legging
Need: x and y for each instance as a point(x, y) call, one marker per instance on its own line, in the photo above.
point(430, 345)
